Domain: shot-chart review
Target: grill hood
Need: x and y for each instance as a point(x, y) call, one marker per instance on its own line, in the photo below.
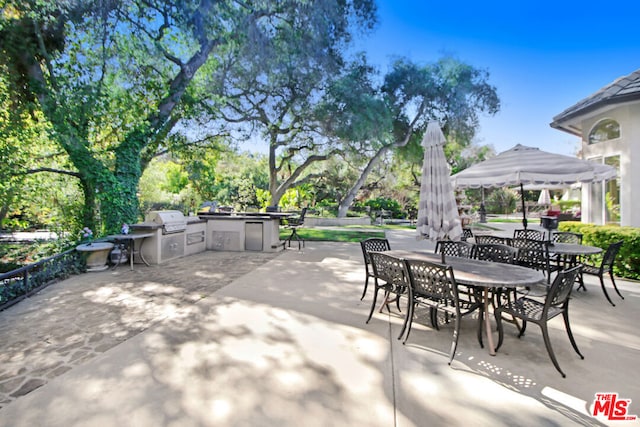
point(171, 221)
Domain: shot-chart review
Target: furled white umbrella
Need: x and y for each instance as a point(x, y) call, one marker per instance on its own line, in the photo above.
point(544, 198)
point(523, 165)
point(438, 216)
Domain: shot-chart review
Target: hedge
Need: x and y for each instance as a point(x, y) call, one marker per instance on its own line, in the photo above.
point(627, 263)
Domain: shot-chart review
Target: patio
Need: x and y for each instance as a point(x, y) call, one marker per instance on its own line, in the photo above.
point(255, 339)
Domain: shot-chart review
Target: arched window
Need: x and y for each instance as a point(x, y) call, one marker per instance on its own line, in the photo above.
point(604, 130)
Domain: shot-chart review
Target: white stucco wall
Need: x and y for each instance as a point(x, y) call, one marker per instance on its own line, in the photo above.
point(628, 148)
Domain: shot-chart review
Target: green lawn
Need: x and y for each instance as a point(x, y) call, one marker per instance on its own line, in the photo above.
point(343, 234)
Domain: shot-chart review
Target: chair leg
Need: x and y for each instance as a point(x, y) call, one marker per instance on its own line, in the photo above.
point(606, 294)
point(407, 317)
point(386, 302)
point(547, 343)
point(373, 303)
point(433, 316)
point(366, 283)
point(409, 323)
point(524, 327)
point(498, 315)
point(454, 342)
point(480, 324)
point(581, 281)
point(565, 316)
point(398, 302)
point(614, 284)
point(294, 234)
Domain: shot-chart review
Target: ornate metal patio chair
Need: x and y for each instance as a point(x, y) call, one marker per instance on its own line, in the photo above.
point(555, 303)
point(458, 249)
point(534, 254)
point(483, 239)
point(599, 269)
point(433, 285)
point(390, 275)
point(495, 252)
point(373, 244)
point(566, 237)
point(529, 234)
point(466, 234)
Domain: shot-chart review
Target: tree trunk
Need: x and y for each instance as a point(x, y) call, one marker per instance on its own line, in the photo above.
point(346, 202)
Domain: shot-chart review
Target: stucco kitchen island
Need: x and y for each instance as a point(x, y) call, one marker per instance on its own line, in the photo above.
point(244, 231)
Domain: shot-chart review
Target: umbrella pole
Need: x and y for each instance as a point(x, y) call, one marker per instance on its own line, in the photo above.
point(524, 212)
point(483, 212)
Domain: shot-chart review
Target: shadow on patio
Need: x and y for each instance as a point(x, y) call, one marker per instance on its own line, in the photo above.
point(264, 339)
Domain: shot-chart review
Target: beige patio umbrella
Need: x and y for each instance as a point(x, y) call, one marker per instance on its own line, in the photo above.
point(438, 216)
point(523, 165)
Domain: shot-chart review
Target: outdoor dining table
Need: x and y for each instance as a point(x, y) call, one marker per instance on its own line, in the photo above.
point(482, 274)
point(573, 250)
point(569, 253)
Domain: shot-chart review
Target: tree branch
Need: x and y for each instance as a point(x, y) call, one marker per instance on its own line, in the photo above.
point(59, 171)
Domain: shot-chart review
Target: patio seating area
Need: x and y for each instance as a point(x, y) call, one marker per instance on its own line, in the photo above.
point(280, 339)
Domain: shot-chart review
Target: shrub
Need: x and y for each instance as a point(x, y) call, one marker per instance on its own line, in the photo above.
point(382, 203)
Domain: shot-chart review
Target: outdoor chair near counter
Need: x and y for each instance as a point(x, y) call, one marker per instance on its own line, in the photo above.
point(293, 223)
point(531, 310)
point(433, 285)
point(599, 269)
point(373, 244)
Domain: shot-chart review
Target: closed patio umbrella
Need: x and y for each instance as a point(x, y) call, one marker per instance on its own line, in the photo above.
point(523, 165)
point(438, 216)
point(544, 198)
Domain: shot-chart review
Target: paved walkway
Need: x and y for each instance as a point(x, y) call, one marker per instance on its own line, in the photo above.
point(251, 339)
point(71, 322)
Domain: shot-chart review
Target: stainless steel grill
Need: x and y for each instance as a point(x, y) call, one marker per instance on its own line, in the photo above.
point(171, 221)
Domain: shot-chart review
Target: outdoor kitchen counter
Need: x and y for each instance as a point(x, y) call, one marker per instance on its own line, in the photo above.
point(162, 246)
point(259, 231)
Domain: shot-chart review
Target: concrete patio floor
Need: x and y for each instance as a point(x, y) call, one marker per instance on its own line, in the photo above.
point(251, 339)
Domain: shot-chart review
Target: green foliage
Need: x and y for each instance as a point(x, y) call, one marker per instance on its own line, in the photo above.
point(332, 235)
point(113, 79)
point(501, 201)
point(382, 203)
point(567, 205)
point(39, 274)
point(272, 84)
point(297, 198)
point(628, 260)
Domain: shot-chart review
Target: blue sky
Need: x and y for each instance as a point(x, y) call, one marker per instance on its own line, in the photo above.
point(542, 56)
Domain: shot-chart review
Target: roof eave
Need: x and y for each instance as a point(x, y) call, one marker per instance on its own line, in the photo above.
point(563, 122)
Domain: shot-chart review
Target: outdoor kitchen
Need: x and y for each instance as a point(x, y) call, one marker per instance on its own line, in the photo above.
point(175, 235)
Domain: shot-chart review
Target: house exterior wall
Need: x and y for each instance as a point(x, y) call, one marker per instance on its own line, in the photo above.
point(628, 148)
